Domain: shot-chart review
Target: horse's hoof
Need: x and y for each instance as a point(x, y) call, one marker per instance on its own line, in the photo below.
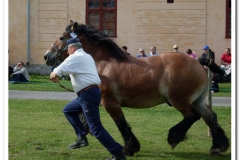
point(127, 153)
point(215, 152)
point(174, 145)
point(131, 147)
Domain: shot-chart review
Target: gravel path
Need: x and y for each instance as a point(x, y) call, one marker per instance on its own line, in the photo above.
point(216, 101)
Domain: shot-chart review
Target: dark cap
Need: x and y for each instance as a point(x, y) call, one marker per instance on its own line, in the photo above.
point(205, 47)
point(72, 41)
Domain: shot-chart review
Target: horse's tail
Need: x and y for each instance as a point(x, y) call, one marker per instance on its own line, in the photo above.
point(202, 97)
point(220, 142)
point(211, 65)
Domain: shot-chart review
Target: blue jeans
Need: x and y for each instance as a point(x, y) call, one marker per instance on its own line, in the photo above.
point(88, 103)
point(19, 78)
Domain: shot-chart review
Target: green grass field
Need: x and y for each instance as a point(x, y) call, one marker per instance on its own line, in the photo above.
point(39, 130)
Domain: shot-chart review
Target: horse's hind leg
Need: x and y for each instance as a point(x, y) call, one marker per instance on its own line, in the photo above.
point(178, 132)
point(131, 144)
point(220, 140)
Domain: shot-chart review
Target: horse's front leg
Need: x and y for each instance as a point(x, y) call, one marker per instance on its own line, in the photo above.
point(131, 143)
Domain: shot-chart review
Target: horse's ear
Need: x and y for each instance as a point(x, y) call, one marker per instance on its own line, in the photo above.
point(71, 22)
point(75, 25)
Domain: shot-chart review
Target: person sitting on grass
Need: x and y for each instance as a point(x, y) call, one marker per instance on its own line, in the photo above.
point(10, 71)
point(20, 73)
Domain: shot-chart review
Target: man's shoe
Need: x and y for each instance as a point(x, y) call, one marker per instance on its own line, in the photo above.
point(120, 156)
point(80, 142)
point(11, 82)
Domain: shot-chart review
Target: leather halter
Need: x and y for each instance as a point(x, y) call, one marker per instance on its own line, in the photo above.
point(58, 51)
point(59, 54)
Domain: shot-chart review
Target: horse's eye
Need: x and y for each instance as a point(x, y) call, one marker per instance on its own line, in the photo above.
point(62, 38)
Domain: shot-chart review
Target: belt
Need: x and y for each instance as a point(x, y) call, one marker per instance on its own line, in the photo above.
point(89, 87)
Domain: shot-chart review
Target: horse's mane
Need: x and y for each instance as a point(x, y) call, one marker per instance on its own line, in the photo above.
point(98, 37)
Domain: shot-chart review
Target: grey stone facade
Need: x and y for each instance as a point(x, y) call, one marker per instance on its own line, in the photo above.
point(37, 69)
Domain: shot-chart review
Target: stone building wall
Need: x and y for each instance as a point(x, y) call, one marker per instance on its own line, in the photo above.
point(140, 24)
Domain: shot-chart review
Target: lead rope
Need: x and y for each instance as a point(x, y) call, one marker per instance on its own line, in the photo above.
point(210, 61)
point(64, 87)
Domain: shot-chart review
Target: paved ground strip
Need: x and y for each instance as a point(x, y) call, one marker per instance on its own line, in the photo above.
point(216, 101)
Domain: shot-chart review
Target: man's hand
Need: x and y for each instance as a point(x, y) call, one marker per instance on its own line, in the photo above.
point(53, 77)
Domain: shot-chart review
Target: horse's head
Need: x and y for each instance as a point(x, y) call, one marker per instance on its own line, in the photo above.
point(95, 41)
point(57, 52)
point(81, 31)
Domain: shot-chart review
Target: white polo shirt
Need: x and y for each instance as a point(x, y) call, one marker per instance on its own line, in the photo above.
point(81, 68)
point(150, 54)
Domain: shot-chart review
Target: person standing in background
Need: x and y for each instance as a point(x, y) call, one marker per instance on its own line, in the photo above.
point(226, 60)
point(153, 52)
point(207, 51)
point(141, 53)
point(124, 48)
point(191, 53)
point(175, 49)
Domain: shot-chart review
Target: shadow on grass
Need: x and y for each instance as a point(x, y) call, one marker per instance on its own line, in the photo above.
point(180, 155)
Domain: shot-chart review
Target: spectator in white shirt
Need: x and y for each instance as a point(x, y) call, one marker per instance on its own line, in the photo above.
point(153, 52)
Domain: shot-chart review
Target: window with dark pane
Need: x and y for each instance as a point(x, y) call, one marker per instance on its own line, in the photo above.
point(93, 4)
point(228, 19)
point(108, 3)
point(102, 15)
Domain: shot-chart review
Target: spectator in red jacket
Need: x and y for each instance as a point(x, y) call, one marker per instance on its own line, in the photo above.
point(226, 58)
point(226, 63)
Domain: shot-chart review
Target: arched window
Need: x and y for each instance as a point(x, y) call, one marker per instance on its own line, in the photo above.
point(102, 14)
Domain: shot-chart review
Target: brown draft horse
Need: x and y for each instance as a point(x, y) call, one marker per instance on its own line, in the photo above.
point(131, 82)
